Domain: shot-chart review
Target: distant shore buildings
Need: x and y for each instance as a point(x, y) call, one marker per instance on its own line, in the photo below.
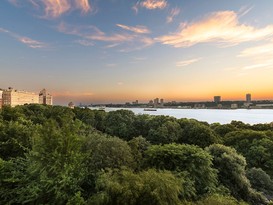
point(12, 97)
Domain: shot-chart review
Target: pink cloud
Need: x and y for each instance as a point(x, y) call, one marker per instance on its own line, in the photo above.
point(221, 27)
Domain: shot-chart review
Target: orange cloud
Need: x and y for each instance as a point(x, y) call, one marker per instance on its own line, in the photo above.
point(222, 27)
point(174, 12)
point(136, 29)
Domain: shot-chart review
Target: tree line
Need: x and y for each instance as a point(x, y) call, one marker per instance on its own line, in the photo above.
point(58, 155)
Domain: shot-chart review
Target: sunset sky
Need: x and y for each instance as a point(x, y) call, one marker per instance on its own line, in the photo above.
point(101, 51)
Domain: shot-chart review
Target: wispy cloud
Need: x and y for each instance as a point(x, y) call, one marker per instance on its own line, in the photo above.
point(259, 56)
point(222, 27)
point(56, 8)
point(150, 4)
point(25, 40)
point(31, 43)
point(264, 51)
point(187, 62)
point(92, 33)
point(120, 83)
point(174, 12)
point(136, 29)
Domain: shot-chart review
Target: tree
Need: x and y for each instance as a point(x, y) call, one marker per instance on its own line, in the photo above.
point(138, 146)
point(256, 146)
point(197, 133)
point(260, 181)
point(120, 123)
point(231, 173)
point(127, 188)
point(168, 132)
point(106, 152)
point(192, 160)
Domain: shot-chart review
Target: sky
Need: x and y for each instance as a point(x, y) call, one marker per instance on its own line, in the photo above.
point(117, 51)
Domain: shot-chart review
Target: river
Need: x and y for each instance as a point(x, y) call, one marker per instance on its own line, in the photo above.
point(252, 116)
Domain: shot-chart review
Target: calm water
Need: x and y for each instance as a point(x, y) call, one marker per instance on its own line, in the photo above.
point(211, 115)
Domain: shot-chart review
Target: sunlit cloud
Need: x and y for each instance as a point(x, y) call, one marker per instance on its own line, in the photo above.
point(174, 12)
point(265, 50)
point(120, 83)
point(154, 4)
point(150, 4)
point(259, 56)
point(56, 8)
point(25, 40)
point(187, 62)
point(221, 27)
point(136, 29)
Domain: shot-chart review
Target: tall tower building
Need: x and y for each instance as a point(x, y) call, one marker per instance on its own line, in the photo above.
point(217, 99)
point(248, 98)
point(45, 98)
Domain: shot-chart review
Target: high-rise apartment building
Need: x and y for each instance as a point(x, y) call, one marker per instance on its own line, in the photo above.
point(217, 99)
point(45, 98)
point(248, 98)
point(161, 102)
point(156, 102)
point(12, 97)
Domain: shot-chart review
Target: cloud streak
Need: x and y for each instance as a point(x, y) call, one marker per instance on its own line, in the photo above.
point(174, 12)
point(222, 27)
point(187, 62)
point(91, 33)
point(25, 40)
point(56, 8)
point(136, 29)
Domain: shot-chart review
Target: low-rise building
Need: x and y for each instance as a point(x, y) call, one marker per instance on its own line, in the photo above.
point(12, 97)
point(45, 98)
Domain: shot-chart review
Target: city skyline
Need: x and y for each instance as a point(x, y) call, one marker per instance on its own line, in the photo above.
point(94, 51)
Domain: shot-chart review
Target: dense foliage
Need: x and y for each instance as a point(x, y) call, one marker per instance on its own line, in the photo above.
point(57, 155)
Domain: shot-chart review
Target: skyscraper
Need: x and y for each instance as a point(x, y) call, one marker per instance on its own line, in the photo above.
point(248, 98)
point(217, 99)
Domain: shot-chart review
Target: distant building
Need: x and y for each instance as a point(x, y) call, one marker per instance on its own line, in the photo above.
point(156, 102)
point(45, 98)
point(248, 98)
point(151, 102)
point(1, 99)
point(135, 102)
point(13, 97)
point(71, 105)
point(161, 102)
point(234, 106)
point(217, 99)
